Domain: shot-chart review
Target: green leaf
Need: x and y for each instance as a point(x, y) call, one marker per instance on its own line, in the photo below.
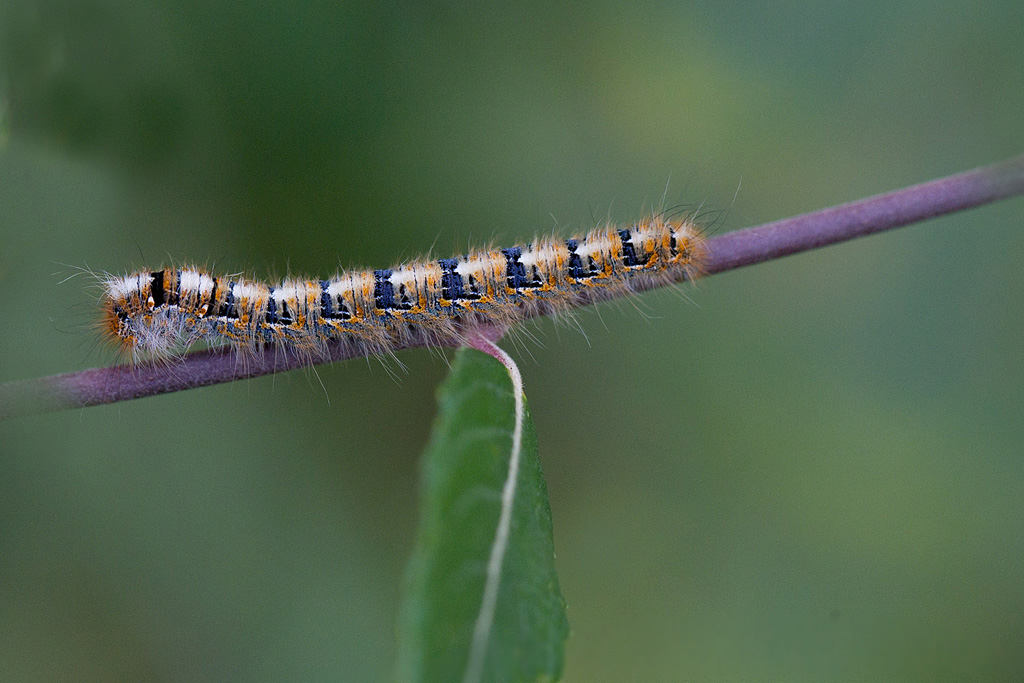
point(464, 469)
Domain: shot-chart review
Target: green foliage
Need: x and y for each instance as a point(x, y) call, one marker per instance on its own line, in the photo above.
point(464, 469)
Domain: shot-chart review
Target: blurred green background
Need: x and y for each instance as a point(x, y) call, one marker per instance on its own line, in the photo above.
point(810, 470)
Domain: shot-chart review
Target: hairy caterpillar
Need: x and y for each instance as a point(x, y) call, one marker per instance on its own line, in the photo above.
point(161, 313)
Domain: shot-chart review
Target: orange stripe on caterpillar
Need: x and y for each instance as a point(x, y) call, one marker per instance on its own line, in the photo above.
point(161, 313)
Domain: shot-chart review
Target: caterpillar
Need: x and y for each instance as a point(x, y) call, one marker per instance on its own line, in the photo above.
point(159, 314)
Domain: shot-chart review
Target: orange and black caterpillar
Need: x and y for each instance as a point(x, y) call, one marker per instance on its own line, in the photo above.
point(161, 313)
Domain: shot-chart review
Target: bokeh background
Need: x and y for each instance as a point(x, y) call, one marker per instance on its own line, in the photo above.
point(810, 470)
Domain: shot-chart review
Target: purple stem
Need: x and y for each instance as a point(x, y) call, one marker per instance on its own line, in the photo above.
point(866, 216)
point(726, 252)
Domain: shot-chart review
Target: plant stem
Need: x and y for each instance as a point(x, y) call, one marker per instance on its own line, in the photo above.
point(866, 216)
point(725, 252)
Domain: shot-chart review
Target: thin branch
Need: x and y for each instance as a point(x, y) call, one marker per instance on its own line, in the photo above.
point(867, 216)
point(726, 252)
